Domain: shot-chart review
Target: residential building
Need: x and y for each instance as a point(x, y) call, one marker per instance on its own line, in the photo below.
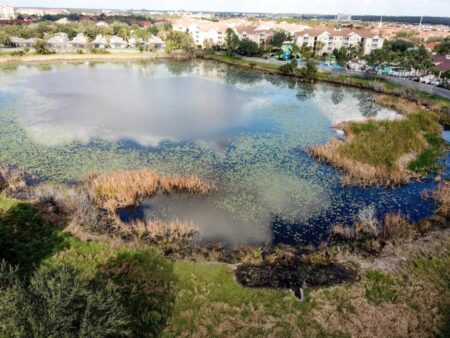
point(325, 41)
point(371, 41)
point(22, 43)
point(7, 12)
point(132, 43)
point(116, 42)
point(442, 63)
point(204, 33)
point(59, 42)
point(41, 11)
point(80, 41)
point(99, 42)
point(259, 35)
point(155, 42)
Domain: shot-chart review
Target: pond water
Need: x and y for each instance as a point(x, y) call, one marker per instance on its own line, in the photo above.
point(246, 130)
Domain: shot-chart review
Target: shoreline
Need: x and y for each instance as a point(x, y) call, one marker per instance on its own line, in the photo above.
point(92, 57)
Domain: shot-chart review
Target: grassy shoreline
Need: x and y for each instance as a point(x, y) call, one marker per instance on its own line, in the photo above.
point(5, 59)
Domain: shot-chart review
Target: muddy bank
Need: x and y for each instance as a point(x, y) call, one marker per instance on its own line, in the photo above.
point(296, 276)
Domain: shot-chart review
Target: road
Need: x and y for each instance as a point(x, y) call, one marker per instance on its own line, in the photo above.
point(433, 90)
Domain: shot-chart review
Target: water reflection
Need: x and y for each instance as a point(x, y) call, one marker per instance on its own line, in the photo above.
point(244, 129)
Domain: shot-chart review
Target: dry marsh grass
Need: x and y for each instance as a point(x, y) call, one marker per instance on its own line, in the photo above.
point(442, 197)
point(396, 228)
point(127, 188)
point(11, 178)
point(157, 231)
point(385, 152)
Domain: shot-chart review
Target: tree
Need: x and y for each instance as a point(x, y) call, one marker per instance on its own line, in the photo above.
point(40, 48)
point(57, 302)
point(289, 67)
point(279, 37)
point(179, 41)
point(231, 42)
point(309, 72)
point(344, 54)
point(248, 47)
point(444, 46)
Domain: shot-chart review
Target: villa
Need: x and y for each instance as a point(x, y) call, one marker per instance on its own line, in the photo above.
point(21, 43)
point(99, 42)
point(117, 42)
point(59, 41)
point(132, 43)
point(80, 41)
point(155, 42)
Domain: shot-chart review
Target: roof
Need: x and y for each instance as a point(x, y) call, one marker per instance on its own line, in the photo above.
point(100, 40)
point(59, 39)
point(80, 39)
point(117, 39)
point(63, 21)
point(442, 62)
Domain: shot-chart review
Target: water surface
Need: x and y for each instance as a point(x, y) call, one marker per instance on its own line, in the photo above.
point(246, 130)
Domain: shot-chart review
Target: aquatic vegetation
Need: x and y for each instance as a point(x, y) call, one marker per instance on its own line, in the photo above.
point(255, 154)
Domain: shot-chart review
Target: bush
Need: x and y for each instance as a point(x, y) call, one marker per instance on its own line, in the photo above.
point(57, 302)
point(41, 49)
point(25, 238)
point(99, 51)
point(145, 283)
point(289, 68)
point(248, 47)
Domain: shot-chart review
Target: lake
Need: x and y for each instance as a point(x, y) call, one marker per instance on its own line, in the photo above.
point(246, 130)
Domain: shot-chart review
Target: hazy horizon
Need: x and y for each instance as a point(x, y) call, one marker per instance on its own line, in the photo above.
point(354, 7)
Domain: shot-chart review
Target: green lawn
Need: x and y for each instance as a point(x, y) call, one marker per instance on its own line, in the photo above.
point(209, 302)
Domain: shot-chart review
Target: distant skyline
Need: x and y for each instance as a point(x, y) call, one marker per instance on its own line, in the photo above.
point(354, 7)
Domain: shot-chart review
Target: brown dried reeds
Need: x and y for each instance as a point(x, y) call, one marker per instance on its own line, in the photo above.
point(399, 104)
point(157, 231)
point(442, 198)
point(11, 178)
point(396, 228)
point(127, 188)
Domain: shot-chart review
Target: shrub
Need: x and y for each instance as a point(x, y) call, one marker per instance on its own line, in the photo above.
point(25, 238)
point(145, 284)
point(99, 51)
point(41, 49)
point(57, 302)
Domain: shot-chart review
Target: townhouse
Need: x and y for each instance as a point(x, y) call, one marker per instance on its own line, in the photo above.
point(208, 33)
point(203, 32)
point(325, 41)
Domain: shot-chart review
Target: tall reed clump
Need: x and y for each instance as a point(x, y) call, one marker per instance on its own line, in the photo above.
point(157, 232)
point(11, 178)
point(127, 188)
point(369, 234)
point(442, 197)
point(385, 152)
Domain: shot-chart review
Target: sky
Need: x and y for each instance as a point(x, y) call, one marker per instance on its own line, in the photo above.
point(355, 7)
